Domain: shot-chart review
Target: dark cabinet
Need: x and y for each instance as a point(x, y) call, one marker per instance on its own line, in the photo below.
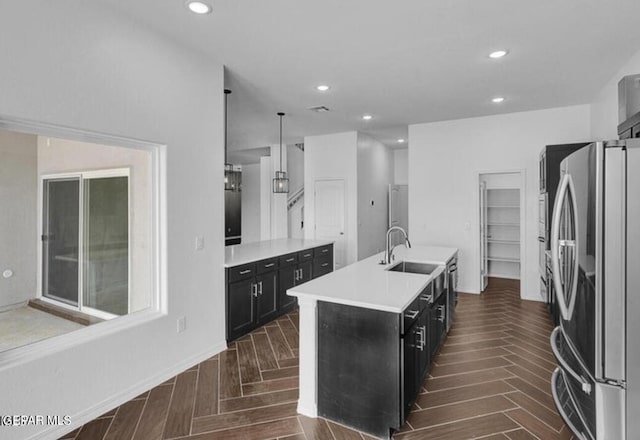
point(437, 323)
point(294, 269)
point(257, 292)
point(240, 308)
point(267, 298)
point(251, 297)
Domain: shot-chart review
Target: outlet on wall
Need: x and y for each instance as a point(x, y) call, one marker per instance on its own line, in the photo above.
point(199, 243)
point(181, 324)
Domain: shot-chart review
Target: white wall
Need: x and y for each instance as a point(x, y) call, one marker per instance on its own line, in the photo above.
point(250, 203)
point(18, 229)
point(295, 168)
point(278, 201)
point(604, 109)
point(444, 161)
point(401, 166)
point(65, 156)
point(265, 197)
point(333, 156)
point(375, 173)
point(295, 171)
point(109, 75)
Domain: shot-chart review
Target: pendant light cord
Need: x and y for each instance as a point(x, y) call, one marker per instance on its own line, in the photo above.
point(281, 115)
point(226, 125)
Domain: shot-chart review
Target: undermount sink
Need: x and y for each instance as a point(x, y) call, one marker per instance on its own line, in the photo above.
point(413, 267)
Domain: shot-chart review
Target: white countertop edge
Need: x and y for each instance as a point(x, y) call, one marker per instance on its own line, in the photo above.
point(369, 305)
point(297, 245)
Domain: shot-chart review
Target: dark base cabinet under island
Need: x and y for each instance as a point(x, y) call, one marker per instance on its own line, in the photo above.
point(372, 363)
point(256, 292)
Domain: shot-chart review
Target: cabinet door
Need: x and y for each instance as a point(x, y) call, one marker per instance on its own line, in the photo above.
point(322, 266)
point(286, 280)
point(240, 308)
point(305, 272)
point(267, 296)
point(409, 371)
point(433, 330)
point(442, 318)
point(422, 348)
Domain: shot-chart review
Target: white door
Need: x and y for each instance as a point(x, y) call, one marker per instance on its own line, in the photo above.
point(484, 265)
point(330, 217)
point(398, 211)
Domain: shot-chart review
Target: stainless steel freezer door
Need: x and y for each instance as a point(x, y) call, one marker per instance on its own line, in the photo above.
point(613, 266)
point(573, 252)
point(633, 288)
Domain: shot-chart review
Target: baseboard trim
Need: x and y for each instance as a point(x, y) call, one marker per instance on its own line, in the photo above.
point(309, 411)
point(91, 413)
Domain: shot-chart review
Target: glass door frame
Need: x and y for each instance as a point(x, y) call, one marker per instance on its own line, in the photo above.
point(82, 176)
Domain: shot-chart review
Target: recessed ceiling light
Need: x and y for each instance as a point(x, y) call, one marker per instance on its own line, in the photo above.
point(401, 141)
point(198, 7)
point(322, 88)
point(498, 54)
point(497, 99)
point(367, 117)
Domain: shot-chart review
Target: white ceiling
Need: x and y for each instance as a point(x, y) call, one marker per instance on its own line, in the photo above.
point(404, 62)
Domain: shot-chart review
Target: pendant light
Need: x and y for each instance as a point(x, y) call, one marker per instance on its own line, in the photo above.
point(231, 176)
point(281, 182)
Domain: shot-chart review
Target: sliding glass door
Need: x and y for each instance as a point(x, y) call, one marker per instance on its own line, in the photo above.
point(86, 243)
point(106, 244)
point(60, 240)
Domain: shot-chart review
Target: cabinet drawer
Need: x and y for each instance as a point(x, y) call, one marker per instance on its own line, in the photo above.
point(411, 313)
point(305, 255)
point(323, 250)
point(322, 266)
point(269, 265)
point(241, 272)
point(288, 259)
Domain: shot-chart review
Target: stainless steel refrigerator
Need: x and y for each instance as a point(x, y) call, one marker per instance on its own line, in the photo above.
point(595, 254)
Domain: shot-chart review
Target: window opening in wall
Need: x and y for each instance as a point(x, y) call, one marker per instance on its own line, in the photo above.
point(81, 229)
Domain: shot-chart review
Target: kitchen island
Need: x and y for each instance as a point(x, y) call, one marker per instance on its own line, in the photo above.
point(367, 333)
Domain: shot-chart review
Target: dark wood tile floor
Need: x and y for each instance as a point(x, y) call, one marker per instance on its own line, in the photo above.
point(490, 381)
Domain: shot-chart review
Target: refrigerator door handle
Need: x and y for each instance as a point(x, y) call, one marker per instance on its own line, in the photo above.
point(560, 247)
point(584, 384)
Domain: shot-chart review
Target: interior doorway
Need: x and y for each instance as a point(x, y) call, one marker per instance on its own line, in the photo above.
point(501, 203)
point(330, 217)
point(398, 211)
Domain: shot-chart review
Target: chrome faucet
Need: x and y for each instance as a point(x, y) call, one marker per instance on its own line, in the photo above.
point(388, 255)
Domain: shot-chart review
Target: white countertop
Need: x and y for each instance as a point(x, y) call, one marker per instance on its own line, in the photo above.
point(367, 283)
point(246, 253)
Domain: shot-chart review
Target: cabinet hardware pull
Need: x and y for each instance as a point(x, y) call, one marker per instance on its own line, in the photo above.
point(301, 273)
point(324, 251)
point(324, 264)
point(244, 272)
point(254, 290)
point(270, 265)
point(411, 314)
point(296, 275)
point(306, 255)
point(260, 287)
point(289, 260)
point(441, 309)
point(426, 298)
point(422, 332)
